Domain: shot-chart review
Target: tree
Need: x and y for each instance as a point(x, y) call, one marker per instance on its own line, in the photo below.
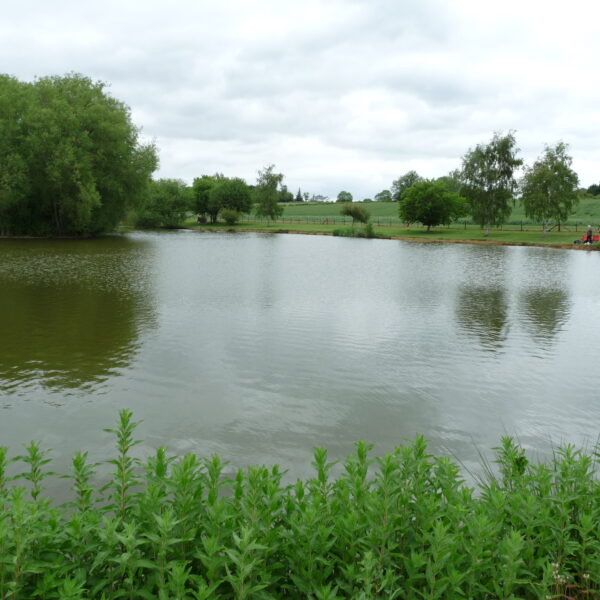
point(166, 204)
point(71, 162)
point(344, 197)
point(14, 177)
point(356, 211)
point(266, 194)
point(299, 197)
point(383, 196)
point(285, 195)
point(431, 203)
point(451, 181)
point(488, 181)
point(231, 194)
point(549, 187)
point(400, 185)
point(230, 216)
point(200, 190)
point(594, 189)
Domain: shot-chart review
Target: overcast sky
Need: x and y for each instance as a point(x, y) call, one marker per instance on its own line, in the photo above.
point(340, 95)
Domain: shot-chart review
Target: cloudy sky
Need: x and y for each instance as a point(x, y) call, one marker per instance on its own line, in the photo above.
point(339, 94)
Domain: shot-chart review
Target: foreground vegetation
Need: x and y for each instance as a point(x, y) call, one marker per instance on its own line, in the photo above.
point(400, 526)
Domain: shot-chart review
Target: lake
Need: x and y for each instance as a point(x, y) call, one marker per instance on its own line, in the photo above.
point(259, 347)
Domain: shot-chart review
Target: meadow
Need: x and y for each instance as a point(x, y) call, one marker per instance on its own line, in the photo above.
point(402, 525)
point(325, 218)
point(586, 212)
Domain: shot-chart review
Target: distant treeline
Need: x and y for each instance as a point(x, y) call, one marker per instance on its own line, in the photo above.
point(71, 164)
point(169, 201)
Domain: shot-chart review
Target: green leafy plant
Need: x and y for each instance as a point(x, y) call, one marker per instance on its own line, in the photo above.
point(402, 525)
point(230, 217)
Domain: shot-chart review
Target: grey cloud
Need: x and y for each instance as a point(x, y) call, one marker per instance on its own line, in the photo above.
point(318, 85)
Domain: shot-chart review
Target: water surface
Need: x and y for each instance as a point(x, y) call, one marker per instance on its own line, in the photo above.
point(260, 347)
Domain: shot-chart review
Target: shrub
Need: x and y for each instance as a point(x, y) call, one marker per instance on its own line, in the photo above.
point(367, 232)
point(403, 525)
point(357, 212)
point(230, 216)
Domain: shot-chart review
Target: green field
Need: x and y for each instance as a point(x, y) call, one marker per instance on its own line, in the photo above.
point(587, 212)
point(325, 218)
point(506, 235)
point(330, 209)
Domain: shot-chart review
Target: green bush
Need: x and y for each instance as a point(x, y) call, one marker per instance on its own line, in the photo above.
point(367, 232)
point(230, 216)
point(403, 525)
point(356, 211)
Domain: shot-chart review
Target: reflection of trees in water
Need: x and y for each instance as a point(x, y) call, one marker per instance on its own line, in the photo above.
point(69, 318)
point(483, 311)
point(544, 311)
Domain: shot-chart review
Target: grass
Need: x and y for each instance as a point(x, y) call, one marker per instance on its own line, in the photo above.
point(325, 218)
point(586, 212)
point(403, 525)
point(509, 234)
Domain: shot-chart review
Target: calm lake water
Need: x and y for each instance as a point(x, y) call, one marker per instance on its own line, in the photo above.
point(259, 347)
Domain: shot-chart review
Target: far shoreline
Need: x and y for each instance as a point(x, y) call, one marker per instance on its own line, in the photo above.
point(280, 230)
point(436, 240)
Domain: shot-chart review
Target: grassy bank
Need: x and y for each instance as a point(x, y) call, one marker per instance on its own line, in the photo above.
point(398, 526)
point(457, 233)
point(325, 218)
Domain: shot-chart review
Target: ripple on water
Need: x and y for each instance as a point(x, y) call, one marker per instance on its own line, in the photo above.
point(264, 346)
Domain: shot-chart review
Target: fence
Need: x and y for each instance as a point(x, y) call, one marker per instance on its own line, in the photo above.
point(521, 225)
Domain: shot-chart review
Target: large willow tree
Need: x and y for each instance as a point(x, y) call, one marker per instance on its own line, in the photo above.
point(71, 162)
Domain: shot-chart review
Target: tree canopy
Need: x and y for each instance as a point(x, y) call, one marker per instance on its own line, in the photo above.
point(488, 181)
point(266, 193)
point(400, 185)
point(431, 203)
point(166, 204)
point(356, 211)
point(229, 194)
point(344, 196)
point(70, 159)
point(201, 187)
point(594, 189)
point(383, 196)
point(549, 187)
point(285, 195)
